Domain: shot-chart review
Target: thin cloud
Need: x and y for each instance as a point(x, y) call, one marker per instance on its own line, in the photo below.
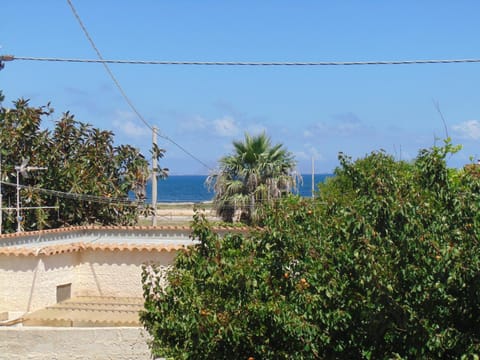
point(309, 151)
point(308, 133)
point(228, 108)
point(125, 124)
point(314, 152)
point(346, 124)
point(225, 126)
point(256, 129)
point(468, 129)
point(193, 123)
point(76, 91)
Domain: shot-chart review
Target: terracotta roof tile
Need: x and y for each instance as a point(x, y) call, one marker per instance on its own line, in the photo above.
point(80, 246)
point(14, 244)
point(91, 228)
point(14, 251)
point(124, 228)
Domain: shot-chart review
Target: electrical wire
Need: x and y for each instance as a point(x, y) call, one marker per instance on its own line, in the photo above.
point(82, 197)
point(107, 68)
point(120, 88)
point(215, 63)
point(105, 63)
point(243, 63)
point(118, 201)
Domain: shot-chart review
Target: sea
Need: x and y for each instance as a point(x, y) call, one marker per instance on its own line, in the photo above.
point(192, 189)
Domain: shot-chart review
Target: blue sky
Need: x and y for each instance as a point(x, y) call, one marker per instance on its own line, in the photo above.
point(314, 111)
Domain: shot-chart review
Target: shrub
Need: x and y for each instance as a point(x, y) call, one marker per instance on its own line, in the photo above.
point(384, 264)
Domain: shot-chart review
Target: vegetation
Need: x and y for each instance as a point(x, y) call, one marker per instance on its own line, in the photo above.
point(80, 159)
point(384, 264)
point(257, 172)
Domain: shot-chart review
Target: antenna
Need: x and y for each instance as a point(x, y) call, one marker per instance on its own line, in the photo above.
point(154, 177)
point(23, 169)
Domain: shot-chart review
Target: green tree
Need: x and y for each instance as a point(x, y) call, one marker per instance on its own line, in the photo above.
point(80, 159)
point(383, 264)
point(256, 172)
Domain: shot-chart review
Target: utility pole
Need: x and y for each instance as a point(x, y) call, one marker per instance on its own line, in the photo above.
point(154, 177)
point(1, 199)
point(313, 178)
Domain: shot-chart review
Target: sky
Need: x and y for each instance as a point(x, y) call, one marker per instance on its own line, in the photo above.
point(316, 112)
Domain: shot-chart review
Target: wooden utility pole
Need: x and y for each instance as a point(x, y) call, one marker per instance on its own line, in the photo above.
point(313, 178)
point(1, 199)
point(154, 177)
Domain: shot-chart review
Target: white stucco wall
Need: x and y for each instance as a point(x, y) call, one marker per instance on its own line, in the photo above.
point(29, 283)
point(16, 279)
point(115, 273)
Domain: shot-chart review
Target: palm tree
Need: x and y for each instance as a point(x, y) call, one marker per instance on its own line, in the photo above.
point(255, 172)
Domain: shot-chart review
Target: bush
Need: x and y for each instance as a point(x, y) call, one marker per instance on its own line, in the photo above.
point(384, 264)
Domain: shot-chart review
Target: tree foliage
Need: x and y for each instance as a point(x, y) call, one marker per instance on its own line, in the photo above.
point(79, 158)
point(255, 173)
point(383, 264)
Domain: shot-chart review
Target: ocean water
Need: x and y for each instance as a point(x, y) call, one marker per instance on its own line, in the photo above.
point(191, 188)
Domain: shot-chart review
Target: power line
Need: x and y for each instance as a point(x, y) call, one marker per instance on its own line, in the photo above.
point(243, 63)
point(117, 84)
point(123, 201)
point(75, 196)
point(107, 68)
point(105, 62)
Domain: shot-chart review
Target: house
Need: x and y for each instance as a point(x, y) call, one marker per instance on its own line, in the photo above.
point(42, 268)
point(78, 290)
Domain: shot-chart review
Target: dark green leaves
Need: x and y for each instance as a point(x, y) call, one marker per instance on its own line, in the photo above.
point(80, 159)
point(384, 264)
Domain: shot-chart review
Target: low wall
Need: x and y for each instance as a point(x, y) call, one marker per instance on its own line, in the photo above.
point(73, 343)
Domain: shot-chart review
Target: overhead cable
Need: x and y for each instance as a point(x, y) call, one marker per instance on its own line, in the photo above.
point(75, 196)
point(243, 63)
point(117, 84)
point(107, 68)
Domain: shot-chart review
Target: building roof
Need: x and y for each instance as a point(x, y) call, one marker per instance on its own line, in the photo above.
point(80, 246)
point(101, 238)
point(89, 228)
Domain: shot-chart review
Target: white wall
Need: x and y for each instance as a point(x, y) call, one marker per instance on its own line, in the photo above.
point(115, 273)
point(29, 283)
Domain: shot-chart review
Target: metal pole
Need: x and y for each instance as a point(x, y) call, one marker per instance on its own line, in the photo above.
point(20, 169)
point(154, 177)
point(313, 178)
